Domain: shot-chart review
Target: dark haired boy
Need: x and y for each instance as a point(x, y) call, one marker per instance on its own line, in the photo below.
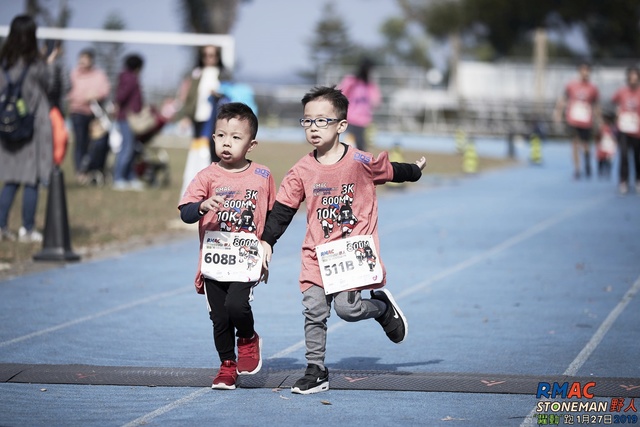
point(230, 200)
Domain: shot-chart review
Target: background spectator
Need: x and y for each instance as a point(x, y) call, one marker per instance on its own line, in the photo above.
point(88, 84)
point(128, 100)
point(364, 96)
point(203, 91)
point(29, 162)
point(627, 101)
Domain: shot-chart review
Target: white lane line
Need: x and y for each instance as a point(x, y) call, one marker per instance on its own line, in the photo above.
point(96, 315)
point(518, 238)
point(595, 340)
point(593, 343)
point(144, 420)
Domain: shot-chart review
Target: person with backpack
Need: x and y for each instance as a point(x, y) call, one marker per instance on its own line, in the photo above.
point(26, 148)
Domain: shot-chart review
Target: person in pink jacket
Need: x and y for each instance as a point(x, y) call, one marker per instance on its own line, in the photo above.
point(88, 84)
point(364, 96)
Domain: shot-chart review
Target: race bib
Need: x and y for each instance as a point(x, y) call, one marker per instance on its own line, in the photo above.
point(231, 257)
point(348, 263)
point(580, 111)
point(628, 122)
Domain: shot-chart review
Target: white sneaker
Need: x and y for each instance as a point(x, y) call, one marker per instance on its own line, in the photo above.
point(32, 236)
point(120, 185)
point(136, 185)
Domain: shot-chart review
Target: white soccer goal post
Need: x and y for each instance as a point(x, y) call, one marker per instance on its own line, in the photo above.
point(226, 42)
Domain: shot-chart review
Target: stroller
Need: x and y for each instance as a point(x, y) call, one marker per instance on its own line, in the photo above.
point(151, 164)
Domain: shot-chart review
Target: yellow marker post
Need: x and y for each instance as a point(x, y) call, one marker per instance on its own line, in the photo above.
point(535, 154)
point(470, 159)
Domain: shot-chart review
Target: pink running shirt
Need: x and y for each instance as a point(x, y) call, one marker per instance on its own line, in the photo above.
point(251, 190)
point(581, 98)
point(347, 186)
point(627, 100)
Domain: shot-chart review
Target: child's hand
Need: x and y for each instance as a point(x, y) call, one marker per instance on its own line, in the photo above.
point(421, 162)
point(266, 259)
point(212, 204)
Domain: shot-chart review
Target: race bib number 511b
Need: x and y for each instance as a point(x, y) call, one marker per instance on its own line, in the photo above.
point(231, 257)
point(348, 263)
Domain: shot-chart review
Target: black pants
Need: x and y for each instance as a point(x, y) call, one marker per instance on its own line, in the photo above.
point(359, 135)
point(98, 152)
point(230, 311)
point(626, 143)
point(80, 123)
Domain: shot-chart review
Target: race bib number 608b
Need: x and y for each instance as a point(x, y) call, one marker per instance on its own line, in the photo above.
point(231, 257)
point(348, 263)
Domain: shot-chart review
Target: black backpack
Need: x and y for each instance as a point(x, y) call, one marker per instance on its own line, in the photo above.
point(16, 121)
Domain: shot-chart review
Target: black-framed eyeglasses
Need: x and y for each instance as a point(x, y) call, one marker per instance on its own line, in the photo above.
point(321, 122)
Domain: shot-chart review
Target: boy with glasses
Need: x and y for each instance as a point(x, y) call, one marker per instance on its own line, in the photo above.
point(339, 253)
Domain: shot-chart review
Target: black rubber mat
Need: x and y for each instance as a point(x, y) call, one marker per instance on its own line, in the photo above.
point(339, 379)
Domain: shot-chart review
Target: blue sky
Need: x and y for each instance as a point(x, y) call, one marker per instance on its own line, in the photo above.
point(271, 35)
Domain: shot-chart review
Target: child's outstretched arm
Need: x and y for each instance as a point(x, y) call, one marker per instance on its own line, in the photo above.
point(278, 220)
point(403, 172)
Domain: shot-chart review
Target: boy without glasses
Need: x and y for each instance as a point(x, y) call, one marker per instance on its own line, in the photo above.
point(339, 252)
point(230, 200)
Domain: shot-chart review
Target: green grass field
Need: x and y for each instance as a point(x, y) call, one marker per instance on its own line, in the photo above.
point(100, 218)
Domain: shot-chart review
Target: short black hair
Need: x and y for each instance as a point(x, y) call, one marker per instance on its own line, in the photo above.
point(240, 111)
point(334, 96)
point(133, 62)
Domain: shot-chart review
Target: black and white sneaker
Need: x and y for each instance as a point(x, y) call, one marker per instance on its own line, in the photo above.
point(315, 380)
point(392, 321)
